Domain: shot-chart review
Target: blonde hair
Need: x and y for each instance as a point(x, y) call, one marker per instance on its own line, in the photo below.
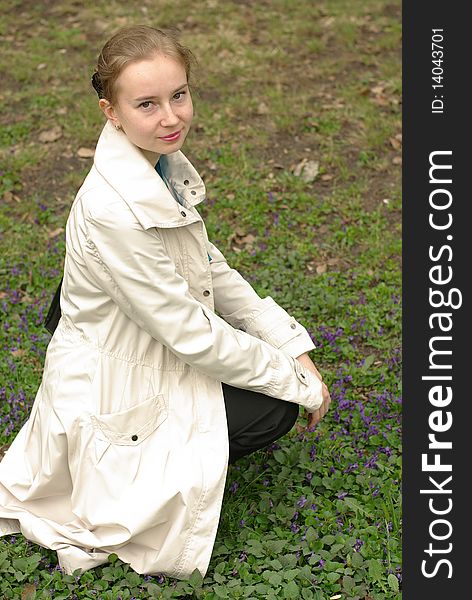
point(133, 43)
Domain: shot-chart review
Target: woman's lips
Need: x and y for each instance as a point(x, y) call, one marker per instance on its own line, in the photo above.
point(171, 137)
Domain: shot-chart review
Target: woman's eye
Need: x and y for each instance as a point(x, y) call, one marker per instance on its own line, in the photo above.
point(179, 95)
point(146, 104)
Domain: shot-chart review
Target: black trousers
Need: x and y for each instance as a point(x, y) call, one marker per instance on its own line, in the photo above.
point(255, 420)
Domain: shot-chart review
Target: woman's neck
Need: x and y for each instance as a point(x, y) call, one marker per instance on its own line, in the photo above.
point(152, 157)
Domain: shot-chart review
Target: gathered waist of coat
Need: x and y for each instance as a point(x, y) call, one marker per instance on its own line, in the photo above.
point(73, 336)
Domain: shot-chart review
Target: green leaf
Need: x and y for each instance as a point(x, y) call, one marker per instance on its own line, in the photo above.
point(368, 362)
point(4, 562)
point(328, 540)
point(262, 589)
point(276, 546)
point(376, 569)
point(356, 506)
point(221, 591)
point(152, 588)
point(133, 578)
point(255, 548)
point(392, 582)
point(100, 585)
point(20, 564)
point(291, 590)
point(275, 564)
point(195, 579)
point(335, 548)
point(291, 574)
point(348, 583)
point(280, 456)
point(288, 560)
point(274, 578)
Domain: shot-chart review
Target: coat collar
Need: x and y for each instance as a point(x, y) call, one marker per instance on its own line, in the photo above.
point(130, 174)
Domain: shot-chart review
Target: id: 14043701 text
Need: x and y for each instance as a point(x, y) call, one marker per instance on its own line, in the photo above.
point(437, 70)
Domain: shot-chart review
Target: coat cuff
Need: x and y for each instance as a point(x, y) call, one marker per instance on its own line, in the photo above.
point(275, 326)
point(299, 345)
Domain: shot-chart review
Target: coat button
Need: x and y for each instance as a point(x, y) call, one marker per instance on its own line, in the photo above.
point(206, 293)
point(183, 213)
point(293, 326)
point(134, 437)
point(186, 182)
point(193, 192)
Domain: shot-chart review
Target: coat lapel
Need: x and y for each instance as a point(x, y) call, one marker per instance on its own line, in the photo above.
point(130, 174)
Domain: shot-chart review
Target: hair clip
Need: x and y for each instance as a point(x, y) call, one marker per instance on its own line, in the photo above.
point(97, 84)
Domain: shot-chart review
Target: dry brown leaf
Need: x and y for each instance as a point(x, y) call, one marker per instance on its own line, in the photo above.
point(101, 25)
point(18, 353)
point(85, 152)
point(397, 160)
point(247, 239)
point(374, 29)
point(29, 592)
point(381, 101)
point(50, 135)
point(326, 177)
point(377, 90)
point(55, 232)
point(41, 66)
point(262, 109)
point(395, 143)
point(10, 197)
point(307, 170)
point(320, 269)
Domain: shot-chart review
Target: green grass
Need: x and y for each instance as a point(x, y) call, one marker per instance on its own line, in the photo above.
point(317, 515)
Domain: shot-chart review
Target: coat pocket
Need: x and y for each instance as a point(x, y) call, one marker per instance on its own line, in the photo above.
point(133, 425)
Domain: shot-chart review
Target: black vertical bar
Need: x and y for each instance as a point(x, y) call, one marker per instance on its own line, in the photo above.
point(436, 217)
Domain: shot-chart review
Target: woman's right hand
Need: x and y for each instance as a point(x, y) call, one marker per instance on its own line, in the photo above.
point(315, 417)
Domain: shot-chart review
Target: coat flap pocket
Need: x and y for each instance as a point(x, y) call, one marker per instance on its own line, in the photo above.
point(131, 426)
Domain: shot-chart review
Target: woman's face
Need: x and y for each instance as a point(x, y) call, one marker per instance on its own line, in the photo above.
point(152, 105)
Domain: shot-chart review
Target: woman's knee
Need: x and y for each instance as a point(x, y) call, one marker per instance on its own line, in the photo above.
point(288, 415)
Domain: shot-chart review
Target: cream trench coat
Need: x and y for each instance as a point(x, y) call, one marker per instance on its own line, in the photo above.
point(126, 447)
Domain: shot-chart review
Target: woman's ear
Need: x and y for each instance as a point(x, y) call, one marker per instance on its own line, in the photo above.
point(109, 112)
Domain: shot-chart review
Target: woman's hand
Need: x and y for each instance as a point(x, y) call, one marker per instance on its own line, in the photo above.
point(315, 417)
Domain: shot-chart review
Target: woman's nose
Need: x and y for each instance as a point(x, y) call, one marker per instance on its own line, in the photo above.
point(169, 117)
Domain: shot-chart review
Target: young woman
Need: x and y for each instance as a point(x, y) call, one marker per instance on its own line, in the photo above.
point(165, 363)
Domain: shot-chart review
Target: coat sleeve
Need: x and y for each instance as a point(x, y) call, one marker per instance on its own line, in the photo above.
point(240, 305)
point(132, 266)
